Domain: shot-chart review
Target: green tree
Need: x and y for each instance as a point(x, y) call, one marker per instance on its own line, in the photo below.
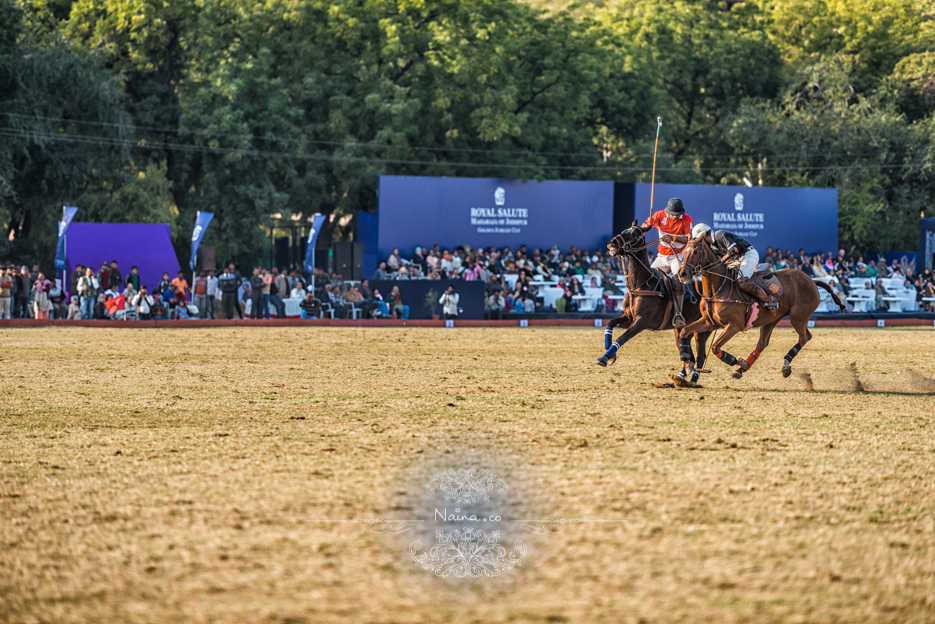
point(823, 134)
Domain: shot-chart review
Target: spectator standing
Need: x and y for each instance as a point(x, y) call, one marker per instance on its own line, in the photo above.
point(77, 274)
point(21, 289)
point(163, 285)
point(212, 292)
point(116, 277)
point(103, 277)
point(282, 282)
point(6, 293)
point(57, 297)
point(42, 304)
point(449, 301)
point(88, 288)
point(181, 285)
point(228, 286)
point(274, 294)
point(200, 293)
point(134, 278)
point(256, 293)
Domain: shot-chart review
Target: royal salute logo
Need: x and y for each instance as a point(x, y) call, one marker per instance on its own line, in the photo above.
point(499, 219)
point(746, 224)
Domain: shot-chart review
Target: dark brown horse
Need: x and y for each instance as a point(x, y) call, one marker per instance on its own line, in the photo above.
point(723, 305)
point(646, 305)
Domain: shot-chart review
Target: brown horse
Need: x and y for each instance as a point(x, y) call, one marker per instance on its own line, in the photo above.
point(646, 306)
point(723, 306)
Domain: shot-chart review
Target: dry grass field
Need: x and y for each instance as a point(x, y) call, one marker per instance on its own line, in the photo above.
point(202, 476)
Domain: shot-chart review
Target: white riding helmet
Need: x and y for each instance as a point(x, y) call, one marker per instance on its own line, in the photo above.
point(700, 230)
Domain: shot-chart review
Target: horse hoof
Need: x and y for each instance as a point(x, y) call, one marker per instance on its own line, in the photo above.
point(786, 371)
point(737, 374)
point(601, 361)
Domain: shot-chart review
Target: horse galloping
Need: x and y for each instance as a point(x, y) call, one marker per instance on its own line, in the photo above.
point(647, 305)
point(723, 305)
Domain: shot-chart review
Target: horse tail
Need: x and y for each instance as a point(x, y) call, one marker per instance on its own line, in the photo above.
point(831, 292)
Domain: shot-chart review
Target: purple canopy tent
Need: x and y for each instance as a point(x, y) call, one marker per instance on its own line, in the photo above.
point(148, 246)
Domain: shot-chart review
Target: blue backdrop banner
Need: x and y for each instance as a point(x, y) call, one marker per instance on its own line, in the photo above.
point(423, 211)
point(787, 218)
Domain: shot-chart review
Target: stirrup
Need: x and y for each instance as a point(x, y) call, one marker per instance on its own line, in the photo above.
point(675, 320)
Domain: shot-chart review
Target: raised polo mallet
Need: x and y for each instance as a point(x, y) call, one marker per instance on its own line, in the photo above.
point(652, 187)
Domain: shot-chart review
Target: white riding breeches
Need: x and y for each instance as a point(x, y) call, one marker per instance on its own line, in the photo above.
point(749, 262)
point(672, 264)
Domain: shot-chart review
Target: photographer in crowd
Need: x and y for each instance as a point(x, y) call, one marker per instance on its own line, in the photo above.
point(144, 304)
point(449, 301)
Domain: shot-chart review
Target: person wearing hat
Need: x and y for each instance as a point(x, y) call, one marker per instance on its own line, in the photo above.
point(738, 254)
point(674, 227)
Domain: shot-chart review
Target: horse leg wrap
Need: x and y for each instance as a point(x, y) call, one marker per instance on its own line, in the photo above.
point(794, 351)
point(725, 357)
point(612, 351)
point(685, 350)
point(746, 364)
point(608, 337)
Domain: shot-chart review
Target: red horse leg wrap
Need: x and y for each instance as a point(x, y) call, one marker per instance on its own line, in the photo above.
point(752, 358)
point(717, 353)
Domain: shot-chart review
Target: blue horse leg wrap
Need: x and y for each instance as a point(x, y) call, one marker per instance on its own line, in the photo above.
point(608, 337)
point(695, 377)
point(612, 351)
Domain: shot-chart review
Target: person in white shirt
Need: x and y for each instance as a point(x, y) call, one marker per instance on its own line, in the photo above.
point(144, 304)
point(212, 292)
point(449, 301)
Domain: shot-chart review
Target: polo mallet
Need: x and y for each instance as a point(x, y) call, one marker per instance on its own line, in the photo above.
point(652, 187)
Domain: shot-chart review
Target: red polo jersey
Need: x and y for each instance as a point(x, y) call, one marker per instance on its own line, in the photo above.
point(674, 227)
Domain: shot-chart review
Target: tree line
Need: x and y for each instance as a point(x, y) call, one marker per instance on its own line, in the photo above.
point(148, 111)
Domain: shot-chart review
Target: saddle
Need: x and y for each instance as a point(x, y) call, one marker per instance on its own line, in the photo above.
point(667, 288)
point(765, 279)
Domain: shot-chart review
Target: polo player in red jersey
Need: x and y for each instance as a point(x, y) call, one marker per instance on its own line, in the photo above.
point(675, 229)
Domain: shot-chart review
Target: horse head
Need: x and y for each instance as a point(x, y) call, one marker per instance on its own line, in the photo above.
point(696, 257)
point(626, 240)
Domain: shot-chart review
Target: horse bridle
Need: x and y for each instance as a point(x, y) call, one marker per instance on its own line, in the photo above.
point(698, 271)
point(628, 249)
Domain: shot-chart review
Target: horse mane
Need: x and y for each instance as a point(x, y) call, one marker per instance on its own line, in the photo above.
point(640, 270)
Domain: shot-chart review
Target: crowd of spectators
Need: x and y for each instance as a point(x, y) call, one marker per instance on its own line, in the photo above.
point(512, 279)
point(845, 274)
point(571, 270)
point(575, 269)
